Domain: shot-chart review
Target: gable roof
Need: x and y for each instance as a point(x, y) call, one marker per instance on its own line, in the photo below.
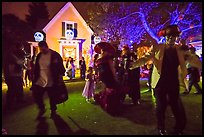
point(58, 15)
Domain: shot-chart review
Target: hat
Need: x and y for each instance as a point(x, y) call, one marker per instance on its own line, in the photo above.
point(104, 46)
point(126, 47)
point(171, 30)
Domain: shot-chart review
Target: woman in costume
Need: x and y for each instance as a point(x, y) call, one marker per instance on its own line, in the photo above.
point(109, 98)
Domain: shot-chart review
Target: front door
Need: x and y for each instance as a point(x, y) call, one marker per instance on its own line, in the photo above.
point(69, 51)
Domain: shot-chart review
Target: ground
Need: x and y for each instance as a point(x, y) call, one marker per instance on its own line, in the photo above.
point(77, 117)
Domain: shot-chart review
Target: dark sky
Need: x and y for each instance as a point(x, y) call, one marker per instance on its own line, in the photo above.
point(20, 9)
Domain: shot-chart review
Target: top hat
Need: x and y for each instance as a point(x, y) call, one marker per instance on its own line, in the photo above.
point(171, 30)
point(104, 46)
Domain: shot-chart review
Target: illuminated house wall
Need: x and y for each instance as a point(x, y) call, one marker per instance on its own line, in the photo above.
point(57, 42)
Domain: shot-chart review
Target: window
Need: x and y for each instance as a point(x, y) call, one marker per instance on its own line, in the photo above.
point(66, 25)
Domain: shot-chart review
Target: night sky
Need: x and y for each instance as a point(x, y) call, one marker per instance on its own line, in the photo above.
point(20, 9)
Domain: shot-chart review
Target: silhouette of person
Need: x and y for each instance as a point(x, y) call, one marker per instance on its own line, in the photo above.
point(82, 66)
point(194, 76)
point(166, 59)
point(48, 73)
point(109, 98)
point(13, 73)
point(130, 78)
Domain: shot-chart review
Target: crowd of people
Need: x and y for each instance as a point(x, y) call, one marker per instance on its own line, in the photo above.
point(118, 70)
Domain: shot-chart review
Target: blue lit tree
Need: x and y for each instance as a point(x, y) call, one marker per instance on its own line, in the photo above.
point(129, 22)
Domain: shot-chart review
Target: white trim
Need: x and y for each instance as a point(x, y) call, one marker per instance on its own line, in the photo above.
point(35, 44)
point(58, 15)
point(55, 18)
point(32, 45)
point(81, 19)
point(69, 42)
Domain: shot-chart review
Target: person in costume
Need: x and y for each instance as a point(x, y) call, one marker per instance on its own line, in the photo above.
point(167, 58)
point(89, 87)
point(109, 98)
point(130, 79)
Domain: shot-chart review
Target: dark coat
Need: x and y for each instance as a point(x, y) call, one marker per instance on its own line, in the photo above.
point(57, 67)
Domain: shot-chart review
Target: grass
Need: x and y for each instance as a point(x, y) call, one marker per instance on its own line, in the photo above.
point(77, 117)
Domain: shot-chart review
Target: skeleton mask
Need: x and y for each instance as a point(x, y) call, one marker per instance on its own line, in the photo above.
point(38, 36)
point(69, 34)
point(97, 39)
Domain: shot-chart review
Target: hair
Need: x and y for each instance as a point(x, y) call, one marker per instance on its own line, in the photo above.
point(90, 69)
point(42, 44)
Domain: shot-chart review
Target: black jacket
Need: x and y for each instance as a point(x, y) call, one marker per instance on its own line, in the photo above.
point(57, 67)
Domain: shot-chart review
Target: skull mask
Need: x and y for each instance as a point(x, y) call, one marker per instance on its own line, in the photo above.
point(97, 39)
point(69, 34)
point(38, 36)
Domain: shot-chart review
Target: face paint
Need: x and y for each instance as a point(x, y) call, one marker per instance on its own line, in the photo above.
point(170, 40)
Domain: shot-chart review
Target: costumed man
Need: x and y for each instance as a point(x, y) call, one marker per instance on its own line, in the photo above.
point(47, 76)
point(167, 58)
point(129, 79)
point(109, 98)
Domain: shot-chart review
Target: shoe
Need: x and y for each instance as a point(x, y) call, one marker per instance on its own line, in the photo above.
point(162, 132)
point(197, 92)
point(88, 100)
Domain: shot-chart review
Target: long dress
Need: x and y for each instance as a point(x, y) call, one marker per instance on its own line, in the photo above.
point(110, 97)
point(89, 87)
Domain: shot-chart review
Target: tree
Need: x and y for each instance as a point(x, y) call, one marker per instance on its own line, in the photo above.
point(37, 11)
point(14, 30)
point(130, 22)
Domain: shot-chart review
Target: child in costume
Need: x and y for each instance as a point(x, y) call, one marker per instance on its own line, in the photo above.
point(89, 87)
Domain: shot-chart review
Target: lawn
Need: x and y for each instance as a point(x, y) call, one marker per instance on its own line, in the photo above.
point(77, 117)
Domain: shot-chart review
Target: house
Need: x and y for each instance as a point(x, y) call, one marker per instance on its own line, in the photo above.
point(68, 34)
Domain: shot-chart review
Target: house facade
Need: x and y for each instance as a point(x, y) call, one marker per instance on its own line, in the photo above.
point(68, 34)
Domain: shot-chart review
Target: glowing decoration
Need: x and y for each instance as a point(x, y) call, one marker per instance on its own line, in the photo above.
point(69, 34)
point(141, 51)
point(161, 33)
point(97, 39)
point(39, 36)
point(191, 38)
point(191, 26)
point(181, 17)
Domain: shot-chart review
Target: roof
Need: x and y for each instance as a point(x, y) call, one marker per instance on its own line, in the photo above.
point(58, 15)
